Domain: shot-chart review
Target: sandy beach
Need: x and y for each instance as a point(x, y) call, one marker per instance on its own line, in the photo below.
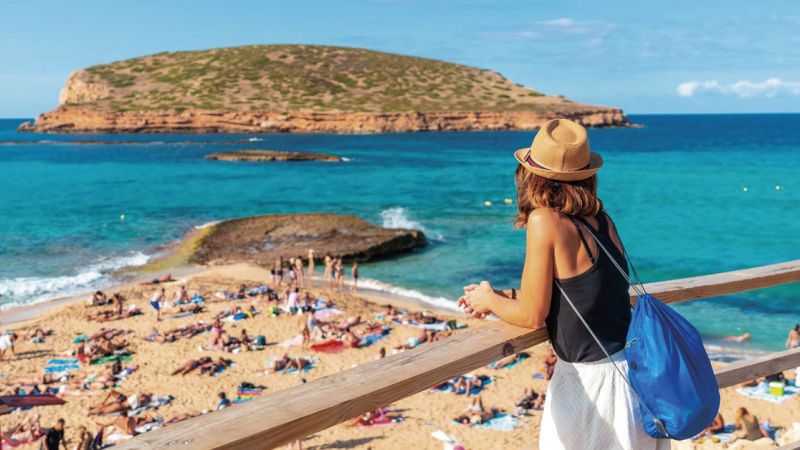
point(193, 393)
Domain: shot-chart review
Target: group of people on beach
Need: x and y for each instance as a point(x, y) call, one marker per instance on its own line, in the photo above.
point(295, 272)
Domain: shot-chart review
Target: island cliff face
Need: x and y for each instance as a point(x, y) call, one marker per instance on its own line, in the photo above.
point(85, 120)
point(301, 89)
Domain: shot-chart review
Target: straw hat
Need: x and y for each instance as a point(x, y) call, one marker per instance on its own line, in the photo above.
point(560, 151)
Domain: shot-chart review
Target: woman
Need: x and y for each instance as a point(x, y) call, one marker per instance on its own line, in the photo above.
point(747, 426)
point(793, 340)
point(589, 404)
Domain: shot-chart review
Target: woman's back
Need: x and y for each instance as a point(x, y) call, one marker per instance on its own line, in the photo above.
point(595, 286)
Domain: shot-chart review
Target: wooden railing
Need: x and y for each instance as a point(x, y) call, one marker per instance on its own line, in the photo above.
point(297, 412)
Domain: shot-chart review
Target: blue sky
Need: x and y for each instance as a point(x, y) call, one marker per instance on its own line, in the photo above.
point(647, 57)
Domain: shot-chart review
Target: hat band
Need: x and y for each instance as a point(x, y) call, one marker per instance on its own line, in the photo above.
point(534, 163)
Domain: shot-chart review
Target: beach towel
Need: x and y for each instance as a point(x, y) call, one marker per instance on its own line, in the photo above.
point(329, 346)
point(726, 435)
point(381, 420)
point(475, 390)
point(244, 395)
point(61, 365)
point(112, 359)
point(377, 335)
point(327, 313)
point(538, 376)
point(155, 402)
point(307, 368)
point(522, 357)
point(80, 338)
point(761, 392)
point(500, 422)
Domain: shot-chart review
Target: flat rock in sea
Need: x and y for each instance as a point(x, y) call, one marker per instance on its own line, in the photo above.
point(261, 239)
point(271, 155)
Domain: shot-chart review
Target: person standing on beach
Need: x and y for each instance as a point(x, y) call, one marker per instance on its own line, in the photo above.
point(589, 403)
point(793, 340)
point(328, 267)
point(354, 273)
point(310, 266)
point(7, 344)
point(54, 436)
point(277, 272)
point(298, 268)
point(157, 301)
point(339, 274)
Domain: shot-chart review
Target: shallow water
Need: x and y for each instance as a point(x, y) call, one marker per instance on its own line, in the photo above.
point(674, 187)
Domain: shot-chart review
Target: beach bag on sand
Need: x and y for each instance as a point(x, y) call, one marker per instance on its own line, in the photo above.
point(668, 367)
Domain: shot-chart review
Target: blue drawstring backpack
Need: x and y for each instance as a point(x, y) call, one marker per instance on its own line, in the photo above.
point(668, 367)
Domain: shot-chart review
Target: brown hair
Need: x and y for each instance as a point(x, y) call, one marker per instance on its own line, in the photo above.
point(571, 198)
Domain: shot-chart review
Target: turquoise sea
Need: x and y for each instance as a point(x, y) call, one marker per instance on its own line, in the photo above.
point(691, 194)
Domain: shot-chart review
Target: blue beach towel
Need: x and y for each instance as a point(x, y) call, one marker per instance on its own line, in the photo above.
point(522, 357)
point(500, 422)
point(762, 393)
point(61, 365)
point(475, 390)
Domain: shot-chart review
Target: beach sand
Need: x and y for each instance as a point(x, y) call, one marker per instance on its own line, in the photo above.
point(194, 392)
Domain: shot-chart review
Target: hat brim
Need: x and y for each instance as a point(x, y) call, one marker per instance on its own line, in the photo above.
point(595, 163)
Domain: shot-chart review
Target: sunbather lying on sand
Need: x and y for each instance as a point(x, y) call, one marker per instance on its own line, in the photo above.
point(423, 337)
point(162, 279)
point(530, 400)
point(36, 335)
point(185, 309)
point(476, 413)
point(116, 401)
point(26, 431)
point(206, 365)
point(379, 416)
point(127, 425)
point(511, 359)
point(109, 315)
point(287, 362)
point(108, 334)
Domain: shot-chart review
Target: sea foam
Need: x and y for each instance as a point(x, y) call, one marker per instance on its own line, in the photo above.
point(398, 217)
point(410, 294)
point(28, 290)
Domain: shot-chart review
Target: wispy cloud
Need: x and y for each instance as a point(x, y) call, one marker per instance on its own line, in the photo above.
point(771, 87)
point(558, 28)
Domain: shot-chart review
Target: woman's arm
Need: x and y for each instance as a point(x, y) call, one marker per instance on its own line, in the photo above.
point(533, 300)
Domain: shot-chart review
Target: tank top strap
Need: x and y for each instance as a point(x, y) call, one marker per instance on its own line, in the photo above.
point(602, 220)
point(583, 238)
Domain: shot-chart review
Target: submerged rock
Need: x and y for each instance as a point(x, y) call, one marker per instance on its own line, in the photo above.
point(271, 155)
point(261, 239)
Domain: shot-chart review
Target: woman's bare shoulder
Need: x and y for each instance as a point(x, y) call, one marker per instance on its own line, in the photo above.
point(544, 223)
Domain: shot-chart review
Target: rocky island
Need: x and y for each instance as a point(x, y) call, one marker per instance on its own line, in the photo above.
point(271, 155)
point(301, 89)
point(261, 239)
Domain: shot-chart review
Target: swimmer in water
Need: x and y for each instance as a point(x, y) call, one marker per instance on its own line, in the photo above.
point(743, 338)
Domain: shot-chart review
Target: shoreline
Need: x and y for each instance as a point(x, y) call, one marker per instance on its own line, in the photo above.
point(18, 316)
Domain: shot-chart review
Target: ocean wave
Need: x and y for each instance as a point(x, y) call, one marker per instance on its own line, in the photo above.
point(397, 217)
point(29, 290)
point(206, 225)
point(439, 302)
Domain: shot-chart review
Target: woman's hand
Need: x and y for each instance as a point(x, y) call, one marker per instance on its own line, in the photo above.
point(477, 299)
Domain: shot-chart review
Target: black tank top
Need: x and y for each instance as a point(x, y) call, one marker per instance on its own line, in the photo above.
point(600, 294)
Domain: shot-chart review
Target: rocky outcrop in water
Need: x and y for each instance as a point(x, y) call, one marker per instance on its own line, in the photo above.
point(261, 239)
point(271, 155)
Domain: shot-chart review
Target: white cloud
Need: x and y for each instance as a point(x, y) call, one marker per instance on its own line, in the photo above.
point(771, 87)
point(564, 22)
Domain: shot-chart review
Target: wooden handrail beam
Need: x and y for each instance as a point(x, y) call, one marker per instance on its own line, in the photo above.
point(750, 369)
point(294, 413)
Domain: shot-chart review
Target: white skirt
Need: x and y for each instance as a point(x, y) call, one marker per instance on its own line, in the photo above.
point(589, 406)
